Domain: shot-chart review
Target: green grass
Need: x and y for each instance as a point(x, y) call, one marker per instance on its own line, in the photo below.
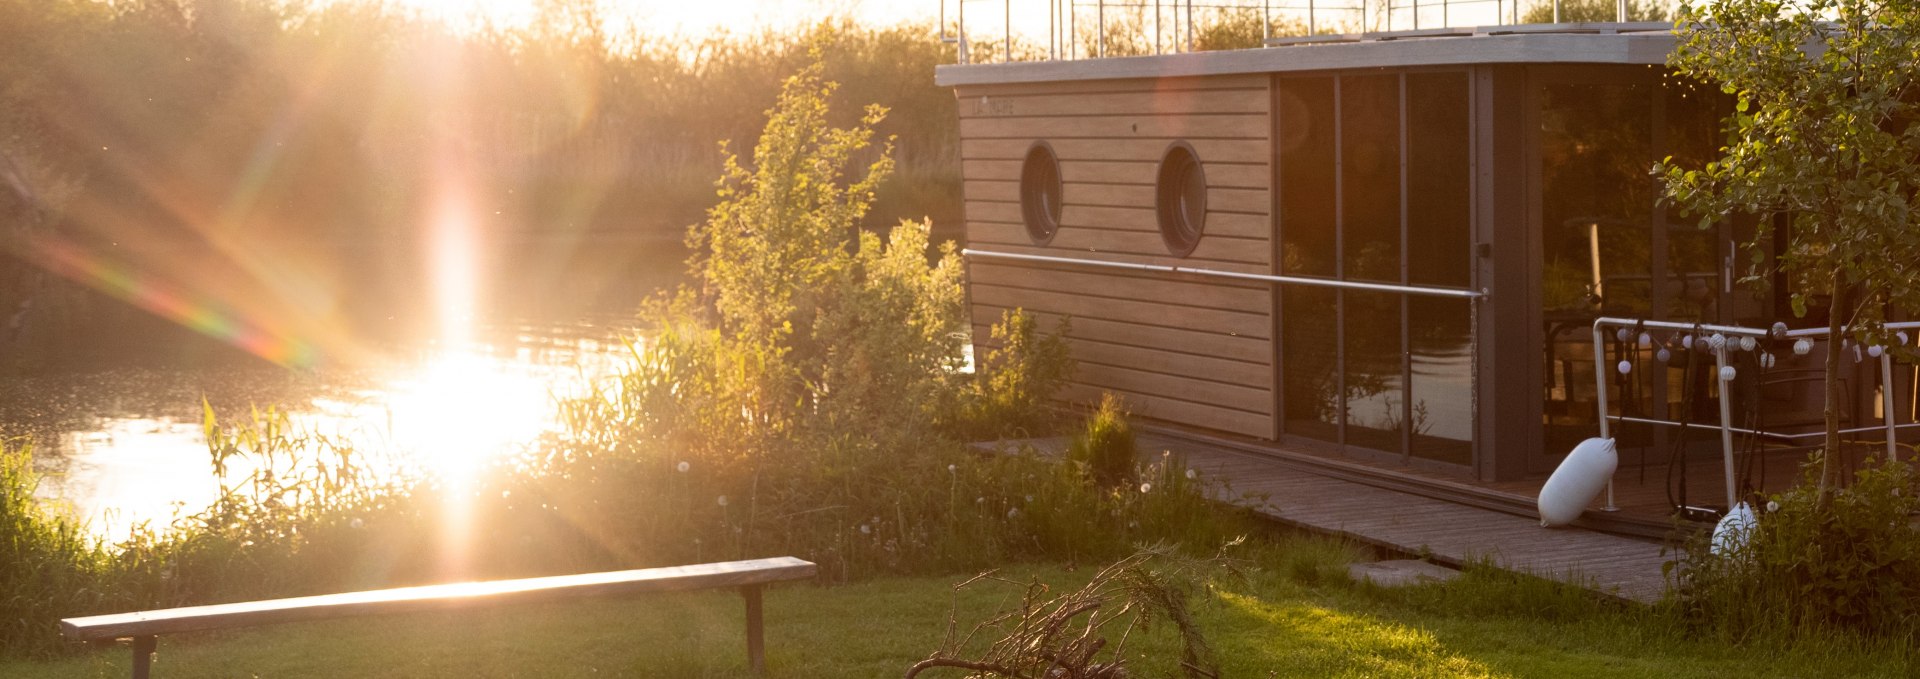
point(1285, 620)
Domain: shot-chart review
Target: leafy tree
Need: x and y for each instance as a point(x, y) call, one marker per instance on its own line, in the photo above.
point(1575, 11)
point(1825, 93)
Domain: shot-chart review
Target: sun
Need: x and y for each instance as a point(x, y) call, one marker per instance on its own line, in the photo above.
point(463, 409)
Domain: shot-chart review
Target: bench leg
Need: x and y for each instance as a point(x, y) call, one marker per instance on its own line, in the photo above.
point(756, 645)
point(143, 656)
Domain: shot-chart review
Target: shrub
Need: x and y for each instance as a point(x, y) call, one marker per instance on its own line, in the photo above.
point(1105, 445)
point(1853, 564)
point(48, 565)
point(1022, 369)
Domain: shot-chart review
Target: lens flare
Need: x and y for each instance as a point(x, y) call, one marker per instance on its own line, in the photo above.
point(203, 315)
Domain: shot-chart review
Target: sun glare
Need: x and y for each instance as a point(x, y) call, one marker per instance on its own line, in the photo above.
point(674, 17)
point(463, 409)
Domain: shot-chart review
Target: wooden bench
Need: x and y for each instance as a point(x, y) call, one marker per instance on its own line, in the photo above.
point(145, 626)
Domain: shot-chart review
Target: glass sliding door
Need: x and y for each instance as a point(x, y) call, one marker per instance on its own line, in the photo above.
point(1375, 186)
point(1609, 248)
point(1439, 236)
point(1309, 211)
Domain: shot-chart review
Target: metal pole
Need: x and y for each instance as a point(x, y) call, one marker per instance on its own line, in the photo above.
point(1072, 36)
point(1311, 31)
point(1156, 26)
point(961, 28)
point(1189, 25)
point(1556, 11)
point(1456, 293)
point(1007, 7)
point(1600, 396)
point(1726, 421)
point(1100, 26)
point(1886, 399)
point(1620, 11)
point(1266, 19)
point(1053, 32)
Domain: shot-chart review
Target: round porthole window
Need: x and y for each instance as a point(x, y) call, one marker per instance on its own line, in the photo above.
point(1180, 198)
point(1040, 193)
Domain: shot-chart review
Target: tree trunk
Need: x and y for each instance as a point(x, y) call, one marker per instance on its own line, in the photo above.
point(1836, 306)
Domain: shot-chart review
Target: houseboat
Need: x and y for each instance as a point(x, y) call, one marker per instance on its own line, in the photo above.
point(1390, 249)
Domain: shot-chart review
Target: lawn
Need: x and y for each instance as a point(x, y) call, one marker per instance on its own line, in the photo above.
point(1292, 616)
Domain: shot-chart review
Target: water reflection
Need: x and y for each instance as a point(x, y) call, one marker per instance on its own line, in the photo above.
point(120, 448)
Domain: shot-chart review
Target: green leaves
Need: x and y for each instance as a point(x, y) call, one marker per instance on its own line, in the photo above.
point(1821, 131)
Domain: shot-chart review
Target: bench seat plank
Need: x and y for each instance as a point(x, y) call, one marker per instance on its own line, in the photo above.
point(436, 597)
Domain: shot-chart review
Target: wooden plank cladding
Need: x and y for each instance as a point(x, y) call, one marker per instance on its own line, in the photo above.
point(1210, 150)
point(1178, 347)
point(1141, 172)
point(1252, 350)
point(1202, 126)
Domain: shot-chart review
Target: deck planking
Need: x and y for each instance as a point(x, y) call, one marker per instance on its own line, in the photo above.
point(1449, 533)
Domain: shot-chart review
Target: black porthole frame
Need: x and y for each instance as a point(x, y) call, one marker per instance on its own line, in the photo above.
point(1039, 182)
point(1180, 198)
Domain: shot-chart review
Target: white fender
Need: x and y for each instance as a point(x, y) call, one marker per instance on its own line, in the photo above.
point(1731, 535)
point(1579, 479)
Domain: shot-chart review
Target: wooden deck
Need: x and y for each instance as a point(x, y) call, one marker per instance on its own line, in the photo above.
point(1449, 532)
point(1450, 522)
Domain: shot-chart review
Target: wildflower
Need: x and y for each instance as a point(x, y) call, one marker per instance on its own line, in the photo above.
point(1192, 475)
point(980, 500)
point(683, 466)
point(953, 469)
point(722, 500)
point(1773, 506)
point(1013, 513)
point(356, 523)
point(866, 529)
point(1029, 499)
point(1146, 487)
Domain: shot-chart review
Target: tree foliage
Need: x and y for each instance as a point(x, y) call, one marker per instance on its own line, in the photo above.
point(1823, 135)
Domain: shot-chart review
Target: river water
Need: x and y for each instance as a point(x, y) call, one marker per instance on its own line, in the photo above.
point(123, 446)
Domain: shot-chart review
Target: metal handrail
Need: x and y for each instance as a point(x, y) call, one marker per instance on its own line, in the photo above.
point(1063, 14)
point(1458, 293)
point(1720, 363)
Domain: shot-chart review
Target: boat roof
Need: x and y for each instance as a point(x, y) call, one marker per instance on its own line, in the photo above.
point(1637, 43)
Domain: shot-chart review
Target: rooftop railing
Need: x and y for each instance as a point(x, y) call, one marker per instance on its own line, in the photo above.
point(1003, 31)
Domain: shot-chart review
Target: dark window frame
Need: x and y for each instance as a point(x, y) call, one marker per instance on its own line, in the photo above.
point(1039, 176)
point(1175, 205)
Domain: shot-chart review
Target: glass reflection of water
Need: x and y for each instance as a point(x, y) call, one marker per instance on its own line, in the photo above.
point(444, 411)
